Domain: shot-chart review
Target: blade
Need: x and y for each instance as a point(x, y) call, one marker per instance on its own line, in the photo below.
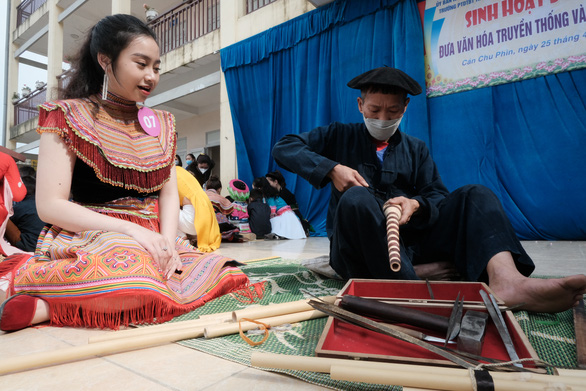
point(455, 319)
point(417, 334)
point(361, 321)
point(429, 338)
point(429, 289)
point(458, 321)
point(497, 318)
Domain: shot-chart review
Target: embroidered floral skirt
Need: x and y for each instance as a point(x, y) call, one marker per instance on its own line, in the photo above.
point(106, 279)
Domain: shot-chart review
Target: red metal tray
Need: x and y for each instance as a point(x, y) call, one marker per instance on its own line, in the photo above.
point(343, 340)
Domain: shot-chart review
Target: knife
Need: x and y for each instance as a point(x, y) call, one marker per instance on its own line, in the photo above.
point(497, 318)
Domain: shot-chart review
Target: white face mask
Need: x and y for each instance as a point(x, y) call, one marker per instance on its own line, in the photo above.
point(380, 129)
point(203, 170)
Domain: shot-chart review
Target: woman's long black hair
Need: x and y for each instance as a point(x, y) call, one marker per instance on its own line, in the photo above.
point(109, 36)
point(263, 185)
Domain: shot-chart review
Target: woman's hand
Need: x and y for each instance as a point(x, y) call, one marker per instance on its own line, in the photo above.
point(159, 247)
point(174, 263)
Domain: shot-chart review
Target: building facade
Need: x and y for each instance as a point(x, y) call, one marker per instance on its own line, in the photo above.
point(190, 33)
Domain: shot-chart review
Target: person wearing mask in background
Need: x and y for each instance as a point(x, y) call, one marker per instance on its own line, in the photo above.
point(178, 161)
point(201, 168)
point(189, 158)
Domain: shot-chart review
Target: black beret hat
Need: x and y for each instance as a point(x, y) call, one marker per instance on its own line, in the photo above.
point(386, 76)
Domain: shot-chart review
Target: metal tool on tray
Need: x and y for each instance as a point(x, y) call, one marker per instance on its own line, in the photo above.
point(388, 312)
point(455, 319)
point(497, 318)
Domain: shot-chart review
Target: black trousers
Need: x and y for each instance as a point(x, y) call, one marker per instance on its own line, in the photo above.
point(472, 227)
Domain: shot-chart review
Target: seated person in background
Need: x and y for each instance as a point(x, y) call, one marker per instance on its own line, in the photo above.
point(189, 158)
point(259, 214)
point(25, 225)
point(197, 218)
point(238, 193)
point(11, 190)
point(223, 208)
point(201, 168)
point(277, 181)
point(284, 223)
point(26, 170)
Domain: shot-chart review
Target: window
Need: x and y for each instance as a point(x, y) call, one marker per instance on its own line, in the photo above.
point(253, 5)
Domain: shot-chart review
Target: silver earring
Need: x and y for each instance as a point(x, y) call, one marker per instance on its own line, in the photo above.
point(105, 87)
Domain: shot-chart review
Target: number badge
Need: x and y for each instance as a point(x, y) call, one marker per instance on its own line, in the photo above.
point(149, 121)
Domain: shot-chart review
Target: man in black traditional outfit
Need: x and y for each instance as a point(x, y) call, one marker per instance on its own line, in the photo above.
point(372, 162)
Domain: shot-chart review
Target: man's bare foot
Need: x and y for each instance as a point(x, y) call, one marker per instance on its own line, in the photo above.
point(542, 295)
point(539, 295)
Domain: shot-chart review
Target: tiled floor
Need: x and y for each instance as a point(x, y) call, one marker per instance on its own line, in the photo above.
point(174, 367)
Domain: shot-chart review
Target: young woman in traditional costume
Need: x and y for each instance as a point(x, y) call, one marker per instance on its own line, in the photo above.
point(107, 185)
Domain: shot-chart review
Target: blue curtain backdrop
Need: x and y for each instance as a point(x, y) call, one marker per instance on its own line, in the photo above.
point(522, 139)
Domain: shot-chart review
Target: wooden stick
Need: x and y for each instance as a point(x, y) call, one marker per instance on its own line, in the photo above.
point(162, 328)
point(580, 332)
point(252, 312)
point(74, 353)
point(323, 365)
point(572, 373)
point(425, 380)
point(30, 361)
point(234, 328)
point(266, 311)
point(393, 215)
point(260, 259)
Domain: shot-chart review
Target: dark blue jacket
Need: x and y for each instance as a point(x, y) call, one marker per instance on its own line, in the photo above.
point(407, 168)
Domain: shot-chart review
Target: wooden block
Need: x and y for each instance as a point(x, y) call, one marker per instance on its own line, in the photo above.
point(472, 331)
point(580, 328)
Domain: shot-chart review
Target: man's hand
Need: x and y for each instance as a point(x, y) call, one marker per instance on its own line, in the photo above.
point(344, 177)
point(408, 205)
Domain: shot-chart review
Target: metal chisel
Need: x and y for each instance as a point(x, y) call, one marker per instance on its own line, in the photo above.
point(497, 318)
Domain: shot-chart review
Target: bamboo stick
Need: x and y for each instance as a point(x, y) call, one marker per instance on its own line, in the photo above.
point(442, 382)
point(151, 330)
point(323, 365)
point(266, 311)
point(233, 328)
point(30, 361)
point(23, 363)
point(260, 259)
point(254, 312)
point(579, 373)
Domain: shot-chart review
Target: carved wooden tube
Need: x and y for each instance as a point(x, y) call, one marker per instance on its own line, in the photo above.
point(394, 313)
point(393, 214)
